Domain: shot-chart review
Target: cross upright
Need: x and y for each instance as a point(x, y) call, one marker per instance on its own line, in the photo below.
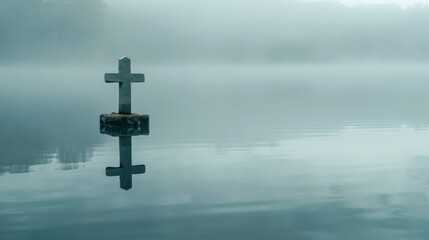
point(124, 77)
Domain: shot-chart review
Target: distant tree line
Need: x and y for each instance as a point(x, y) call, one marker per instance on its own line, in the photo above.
point(39, 28)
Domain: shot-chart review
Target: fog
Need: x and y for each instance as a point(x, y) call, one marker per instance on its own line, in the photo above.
point(280, 118)
point(203, 31)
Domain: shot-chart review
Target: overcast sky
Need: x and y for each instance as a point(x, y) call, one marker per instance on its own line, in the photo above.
point(402, 3)
point(221, 30)
point(270, 30)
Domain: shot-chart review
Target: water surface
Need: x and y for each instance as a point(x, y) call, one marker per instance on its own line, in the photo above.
point(234, 152)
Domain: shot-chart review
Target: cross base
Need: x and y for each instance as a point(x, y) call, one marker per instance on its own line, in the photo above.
point(117, 125)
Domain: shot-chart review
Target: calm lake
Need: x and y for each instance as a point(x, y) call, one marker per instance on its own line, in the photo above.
point(234, 152)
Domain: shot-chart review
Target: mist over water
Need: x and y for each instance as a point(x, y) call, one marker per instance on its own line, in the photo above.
point(194, 31)
point(268, 120)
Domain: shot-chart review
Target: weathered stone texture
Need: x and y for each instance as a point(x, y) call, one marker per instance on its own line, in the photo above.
point(124, 77)
point(116, 124)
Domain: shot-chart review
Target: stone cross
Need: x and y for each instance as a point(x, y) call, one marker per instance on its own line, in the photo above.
point(124, 78)
point(126, 170)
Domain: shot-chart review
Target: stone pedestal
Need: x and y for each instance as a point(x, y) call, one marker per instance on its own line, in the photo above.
point(118, 125)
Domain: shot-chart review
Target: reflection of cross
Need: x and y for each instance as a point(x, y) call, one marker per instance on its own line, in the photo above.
point(124, 78)
point(126, 170)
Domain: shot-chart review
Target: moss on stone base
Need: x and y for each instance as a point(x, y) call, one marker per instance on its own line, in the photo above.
point(116, 124)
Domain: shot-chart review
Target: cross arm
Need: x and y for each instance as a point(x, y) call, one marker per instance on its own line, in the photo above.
point(113, 171)
point(138, 169)
point(116, 171)
point(121, 77)
point(137, 77)
point(112, 77)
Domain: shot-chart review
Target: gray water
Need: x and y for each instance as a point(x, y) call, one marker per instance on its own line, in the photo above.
point(234, 152)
